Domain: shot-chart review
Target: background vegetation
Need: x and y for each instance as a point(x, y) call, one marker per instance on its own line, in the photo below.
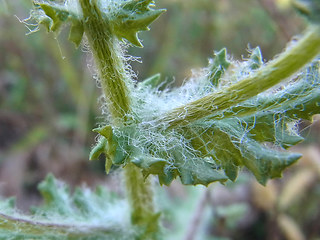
point(45, 125)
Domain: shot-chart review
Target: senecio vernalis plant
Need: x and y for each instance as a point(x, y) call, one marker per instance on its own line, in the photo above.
point(229, 115)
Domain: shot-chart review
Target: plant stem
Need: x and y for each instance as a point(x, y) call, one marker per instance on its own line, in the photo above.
point(38, 228)
point(114, 81)
point(140, 193)
point(109, 62)
point(273, 73)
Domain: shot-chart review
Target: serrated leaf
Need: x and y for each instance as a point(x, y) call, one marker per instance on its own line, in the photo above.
point(151, 166)
point(53, 15)
point(126, 18)
point(204, 171)
point(134, 16)
point(249, 130)
point(54, 197)
point(81, 215)
point(111, 147)
point(98, 149)
point(230, 147)
point(266, 163)
point(255, 60)
point(102, 147)
point(57, 14)
point(41, 18)
point(218, 66)
point(253, 134)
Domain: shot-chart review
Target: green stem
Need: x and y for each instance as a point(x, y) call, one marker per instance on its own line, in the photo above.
point(39, 229)
point(140, 193)
point(109, 61)
point(276, 71)
point(114, 82)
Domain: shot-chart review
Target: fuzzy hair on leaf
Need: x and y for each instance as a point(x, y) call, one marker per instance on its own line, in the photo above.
point(84, 213)
point(126, 18)
point(253, 133)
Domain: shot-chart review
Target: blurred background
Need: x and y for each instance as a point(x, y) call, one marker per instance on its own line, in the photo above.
point(48, 106)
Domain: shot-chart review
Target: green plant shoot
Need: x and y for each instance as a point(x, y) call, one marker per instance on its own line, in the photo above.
point(232, 116)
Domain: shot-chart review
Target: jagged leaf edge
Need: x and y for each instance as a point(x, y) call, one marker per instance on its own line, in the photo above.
point(48, 223)
point(292, 105)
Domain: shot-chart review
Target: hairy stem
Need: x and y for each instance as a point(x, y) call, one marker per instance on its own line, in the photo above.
point(114, 81)
point(108, 59)
point(38, 228)
point(273, 73)
point(140, 193)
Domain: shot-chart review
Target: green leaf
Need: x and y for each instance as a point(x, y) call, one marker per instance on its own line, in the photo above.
point(253, 134)
point(76, 32)
point(153, 81)
point(150, 166)
point(240, 137)
point(125, 18)
point(53, 15)
point(266, 163)
point(111, 148)
point(198, 171)
point(218, 66)
point(57, 14)
point(212, 143)
point(82, 215)
point(134, 16)
point(255, 60)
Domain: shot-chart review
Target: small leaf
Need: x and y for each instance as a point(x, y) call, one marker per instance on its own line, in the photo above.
point(151, 165)
point(255, 59)
point(7, 204)
point(41, 18)
point(109, 145)
point(101, 148)
point(58, 15)
point(152, 81)
point(54, 197)
point(54, 15)
point(134, 16)
point(76, 32)
point(98, 149)
point(218, 66)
